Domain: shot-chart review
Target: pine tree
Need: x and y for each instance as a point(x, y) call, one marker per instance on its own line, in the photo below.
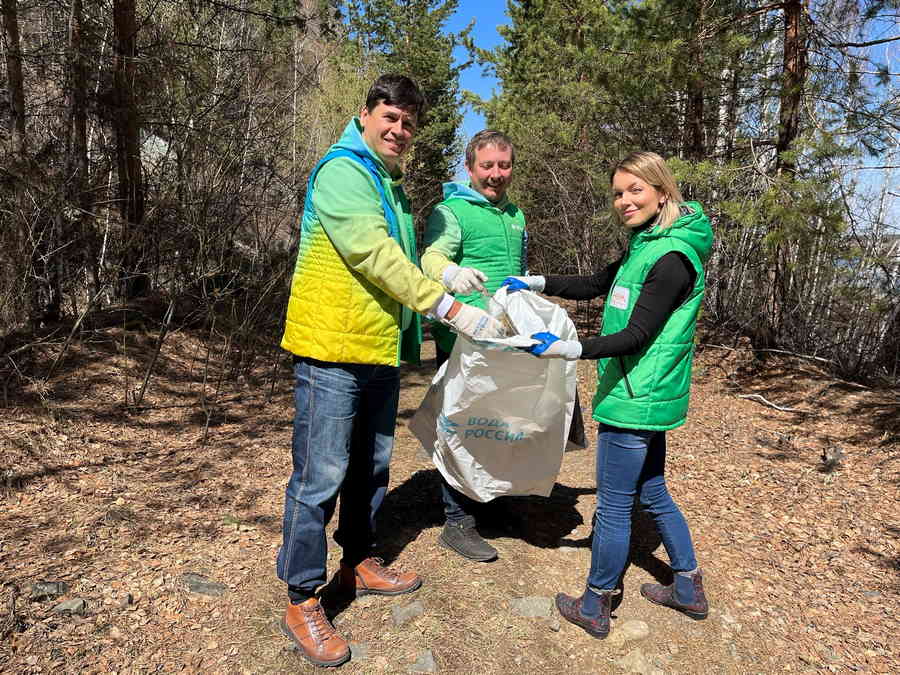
point(410, 36)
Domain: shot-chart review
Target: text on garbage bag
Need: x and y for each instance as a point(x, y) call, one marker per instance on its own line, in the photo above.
point(481, 427)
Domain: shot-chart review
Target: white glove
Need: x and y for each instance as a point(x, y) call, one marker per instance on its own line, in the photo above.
point(533, 283)
point(463, 280)
point(475, 323)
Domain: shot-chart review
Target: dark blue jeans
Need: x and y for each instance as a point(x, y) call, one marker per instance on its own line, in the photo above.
point(344, 416)
point(631, 464)
point(457, 505)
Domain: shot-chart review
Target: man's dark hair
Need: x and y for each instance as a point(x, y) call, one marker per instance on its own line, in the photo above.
point(398, 90)
point(488, 137)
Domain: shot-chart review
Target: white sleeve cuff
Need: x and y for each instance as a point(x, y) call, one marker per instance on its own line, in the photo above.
point(442, 306)
point(448, 274)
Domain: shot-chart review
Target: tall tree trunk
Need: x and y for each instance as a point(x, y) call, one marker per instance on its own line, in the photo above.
point(696, 148)
point(136, 281)
point(78, 152)
point(14, 78)
point(793, 78)
point(23, 253)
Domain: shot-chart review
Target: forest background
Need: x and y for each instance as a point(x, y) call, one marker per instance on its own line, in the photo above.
point(155, 156)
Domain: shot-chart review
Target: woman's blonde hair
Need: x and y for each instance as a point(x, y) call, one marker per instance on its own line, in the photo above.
point(652, 169)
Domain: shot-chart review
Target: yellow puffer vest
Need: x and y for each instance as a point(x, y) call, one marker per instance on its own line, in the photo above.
point(334, 313)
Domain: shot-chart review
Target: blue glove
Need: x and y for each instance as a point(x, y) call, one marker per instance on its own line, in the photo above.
point(551, 347)
point(514, 284)
point(530, 283)
point(546, 339)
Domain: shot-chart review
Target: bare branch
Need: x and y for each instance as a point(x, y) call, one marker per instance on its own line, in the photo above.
point(757, 397)
point(870, 43)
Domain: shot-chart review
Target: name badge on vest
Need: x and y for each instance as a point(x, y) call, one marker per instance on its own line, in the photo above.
point(619, 298)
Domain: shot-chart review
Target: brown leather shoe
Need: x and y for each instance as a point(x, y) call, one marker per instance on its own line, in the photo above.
point(309, 628)
point(372, 577)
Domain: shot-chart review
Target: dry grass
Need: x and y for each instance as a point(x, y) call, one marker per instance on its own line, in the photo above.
point(801, 564)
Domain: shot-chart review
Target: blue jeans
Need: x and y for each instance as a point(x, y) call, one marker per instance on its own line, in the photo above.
point(344, 417)
point(631, 464)
point(456, 505)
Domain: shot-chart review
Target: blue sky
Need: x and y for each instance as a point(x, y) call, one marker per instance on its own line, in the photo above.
point(488, 14)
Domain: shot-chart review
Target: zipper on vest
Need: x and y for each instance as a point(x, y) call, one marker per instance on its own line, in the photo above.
point(625, 375)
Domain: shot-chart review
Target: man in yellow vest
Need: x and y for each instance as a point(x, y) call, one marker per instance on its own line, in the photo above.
point(475, 238)
point(353, 315)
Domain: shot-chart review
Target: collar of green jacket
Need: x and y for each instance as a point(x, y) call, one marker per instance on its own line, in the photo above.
point(691, 227)
point(352, 140)
point(465, 191)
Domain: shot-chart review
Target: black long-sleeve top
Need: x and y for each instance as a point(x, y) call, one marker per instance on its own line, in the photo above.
point(668, 284)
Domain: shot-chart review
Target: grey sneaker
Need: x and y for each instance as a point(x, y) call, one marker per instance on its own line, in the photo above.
point(463, 538)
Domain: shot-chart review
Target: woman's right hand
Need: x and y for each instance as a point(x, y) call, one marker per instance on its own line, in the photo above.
point(531, 283)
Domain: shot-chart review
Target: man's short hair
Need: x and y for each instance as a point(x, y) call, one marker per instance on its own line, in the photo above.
point(488, 137)
point(398, 90)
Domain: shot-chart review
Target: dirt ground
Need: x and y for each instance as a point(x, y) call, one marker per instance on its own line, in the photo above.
point(120, 502)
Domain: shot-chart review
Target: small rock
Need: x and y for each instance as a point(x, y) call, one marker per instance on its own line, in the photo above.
point(531, 607)
point(115, 634)
point(424, 664)
point(73, 606)
point(48, 590)
point(635, 662)
point(126, 600)
point(197, 583)
point(635, 630)
point(359, 651)
point(872, 595)
point(731, 623)
point(832, 655)
point(616, 639)
point(402, 615)
point(554, 624)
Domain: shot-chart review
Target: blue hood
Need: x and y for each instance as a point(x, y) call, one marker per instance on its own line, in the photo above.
point(465, 191)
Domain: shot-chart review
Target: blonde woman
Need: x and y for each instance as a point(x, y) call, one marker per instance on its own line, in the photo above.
point(644, 353)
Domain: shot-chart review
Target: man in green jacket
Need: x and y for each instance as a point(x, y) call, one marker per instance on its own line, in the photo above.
point(475, 238)
point(351, 318)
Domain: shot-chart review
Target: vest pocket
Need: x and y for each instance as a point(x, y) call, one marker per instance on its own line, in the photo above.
point(621, 363)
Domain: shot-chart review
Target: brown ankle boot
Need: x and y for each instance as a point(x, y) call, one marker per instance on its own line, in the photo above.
point(685, 594)
point(309, 628)
point(372, 577)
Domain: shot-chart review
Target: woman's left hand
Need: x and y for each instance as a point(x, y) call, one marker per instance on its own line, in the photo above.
point(551, 347)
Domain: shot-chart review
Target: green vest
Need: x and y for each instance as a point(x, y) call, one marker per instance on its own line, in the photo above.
point(492, 241)
point(650, 390)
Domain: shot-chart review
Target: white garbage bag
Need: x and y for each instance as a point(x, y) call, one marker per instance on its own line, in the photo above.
point(496, 419)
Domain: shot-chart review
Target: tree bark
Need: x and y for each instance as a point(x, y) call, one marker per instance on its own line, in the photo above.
point(14, 77)
point(792, 83)
point(136, 280)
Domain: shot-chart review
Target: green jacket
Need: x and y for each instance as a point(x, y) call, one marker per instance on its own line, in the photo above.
point(354, 284)
point(650, 390)
point(468, 230)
